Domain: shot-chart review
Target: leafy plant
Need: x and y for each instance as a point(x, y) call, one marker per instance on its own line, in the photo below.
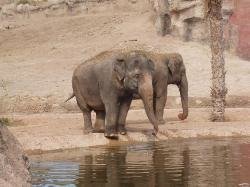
point(4, 87)
point(5, 121)
point(23, 2)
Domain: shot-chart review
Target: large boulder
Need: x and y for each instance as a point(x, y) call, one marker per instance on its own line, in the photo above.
point(14, 163)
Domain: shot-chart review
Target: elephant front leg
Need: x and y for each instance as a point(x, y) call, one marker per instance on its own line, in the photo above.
point(160, 102)
point(112, 110)
point(125, 105)
point(159, 108)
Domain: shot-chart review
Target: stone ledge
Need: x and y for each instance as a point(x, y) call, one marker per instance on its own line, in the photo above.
point(56, 131)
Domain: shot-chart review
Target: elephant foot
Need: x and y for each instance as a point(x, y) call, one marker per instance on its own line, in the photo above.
point(181, 116)
point(122, 130)
point(155, 131)
point(111, 135)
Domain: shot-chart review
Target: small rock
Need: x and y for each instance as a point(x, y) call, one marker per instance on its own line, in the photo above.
point(244, 185)
point(133, 1)
point(198, 101)
point(55, 7)
point(54, 2)
point(84, 8)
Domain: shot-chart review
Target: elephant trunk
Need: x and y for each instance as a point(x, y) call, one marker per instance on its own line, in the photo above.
point(183, 87)
point(146, 92)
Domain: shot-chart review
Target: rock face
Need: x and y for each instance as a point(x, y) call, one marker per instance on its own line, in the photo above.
point(13, 162)
point(187, 19)
point(183, 18)
point(162, 19)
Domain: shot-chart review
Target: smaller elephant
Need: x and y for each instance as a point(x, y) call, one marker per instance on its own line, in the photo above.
point(106, 84)
point(169, 69)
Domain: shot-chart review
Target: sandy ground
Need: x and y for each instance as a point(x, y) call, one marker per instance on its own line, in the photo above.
point(39, 55)
point(56, 131)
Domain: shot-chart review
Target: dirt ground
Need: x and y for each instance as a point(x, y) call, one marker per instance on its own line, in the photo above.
point(38, 56)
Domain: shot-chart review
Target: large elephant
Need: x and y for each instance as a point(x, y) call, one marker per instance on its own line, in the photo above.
point(169, 69)
point(106, 84)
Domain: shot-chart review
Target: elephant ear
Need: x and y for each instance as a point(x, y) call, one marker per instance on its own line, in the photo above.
point(174, 63)
point(151, 65)
point(119, 68)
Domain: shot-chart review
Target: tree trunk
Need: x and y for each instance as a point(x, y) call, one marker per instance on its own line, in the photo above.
point(218, 90)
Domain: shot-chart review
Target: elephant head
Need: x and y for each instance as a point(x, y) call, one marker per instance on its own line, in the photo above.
point(177, 75)
point(135, 73)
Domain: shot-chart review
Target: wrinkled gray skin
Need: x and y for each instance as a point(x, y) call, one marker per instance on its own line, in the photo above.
point(106, 84)
point(169, 69)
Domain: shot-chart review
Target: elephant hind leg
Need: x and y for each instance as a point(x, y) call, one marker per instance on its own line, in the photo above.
point(86, 110)
point(99, 125)
point(88, 128)
point(87, 122)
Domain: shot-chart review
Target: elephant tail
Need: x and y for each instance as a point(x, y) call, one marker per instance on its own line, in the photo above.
point(70, 97)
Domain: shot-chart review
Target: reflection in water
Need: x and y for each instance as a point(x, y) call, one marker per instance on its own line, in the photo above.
point(219, 162)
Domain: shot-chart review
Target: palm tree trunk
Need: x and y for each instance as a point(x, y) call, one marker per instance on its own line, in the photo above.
point(218, 90)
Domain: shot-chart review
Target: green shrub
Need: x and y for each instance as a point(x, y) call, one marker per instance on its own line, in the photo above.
point(5, 121)
point(23, 2)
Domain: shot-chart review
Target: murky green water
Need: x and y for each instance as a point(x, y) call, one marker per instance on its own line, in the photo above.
point(210, 162)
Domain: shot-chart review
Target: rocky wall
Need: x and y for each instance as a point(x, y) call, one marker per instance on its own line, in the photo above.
point(186, 19)
point(13, 162)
